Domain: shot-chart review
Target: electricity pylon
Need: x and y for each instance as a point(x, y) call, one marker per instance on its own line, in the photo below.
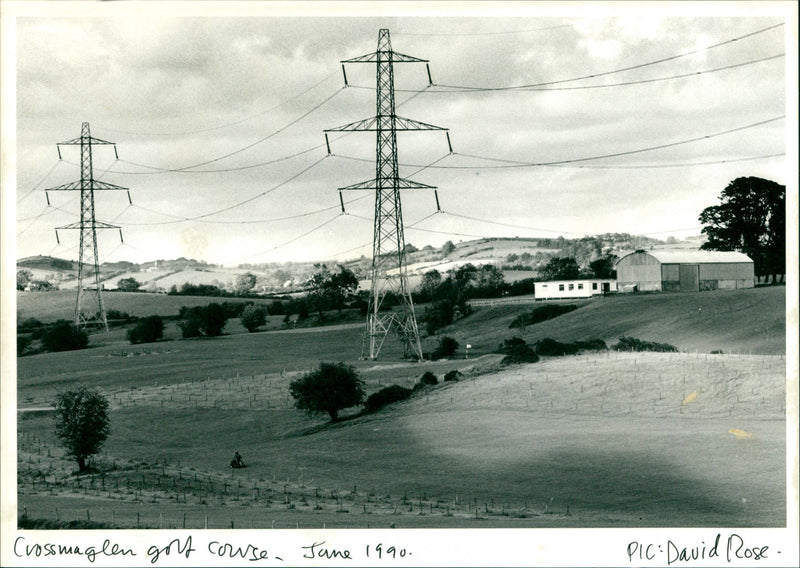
point(88, 225)
point(388, 245)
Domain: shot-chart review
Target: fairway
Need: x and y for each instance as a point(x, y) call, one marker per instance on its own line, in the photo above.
point(598, 440)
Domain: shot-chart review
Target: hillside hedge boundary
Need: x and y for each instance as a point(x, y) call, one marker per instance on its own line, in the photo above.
point(633, 344)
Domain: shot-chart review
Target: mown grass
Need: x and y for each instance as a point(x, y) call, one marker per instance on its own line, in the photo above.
point(614, 439)
point(740, 321)
point(50, 306)
point(609, 437)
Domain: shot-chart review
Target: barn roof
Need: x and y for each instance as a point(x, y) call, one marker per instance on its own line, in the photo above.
point(694, 256)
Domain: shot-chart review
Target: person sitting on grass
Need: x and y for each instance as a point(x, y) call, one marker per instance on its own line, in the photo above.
point(237, 460)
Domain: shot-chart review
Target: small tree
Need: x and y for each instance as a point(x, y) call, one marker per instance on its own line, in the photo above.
point(447, 348)
point(147, 330)
point(198, 321)
point(330, 388)
point(244, 284)
point(253, 316)
point(23, 278)
point(63, 335)
point(128, 285)
point(82, 422)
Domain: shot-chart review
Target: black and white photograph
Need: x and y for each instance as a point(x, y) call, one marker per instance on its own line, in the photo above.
point(408, 284)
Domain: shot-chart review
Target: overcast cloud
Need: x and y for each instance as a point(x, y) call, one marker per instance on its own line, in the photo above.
point(173, 92)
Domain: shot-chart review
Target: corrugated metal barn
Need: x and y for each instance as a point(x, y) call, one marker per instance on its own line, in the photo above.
point(684, 271)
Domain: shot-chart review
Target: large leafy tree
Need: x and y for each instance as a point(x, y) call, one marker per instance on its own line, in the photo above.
point(82, 422)
point(331, 288)
point(329, 389)
point(560, 268)
point(751, 218)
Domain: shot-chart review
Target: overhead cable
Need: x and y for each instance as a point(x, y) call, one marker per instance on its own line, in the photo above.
point(604, 73)
point(212, 128)
point(240, 150)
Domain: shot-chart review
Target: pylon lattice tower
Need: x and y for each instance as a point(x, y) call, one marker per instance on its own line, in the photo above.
point(389, 272)
point(88, 263)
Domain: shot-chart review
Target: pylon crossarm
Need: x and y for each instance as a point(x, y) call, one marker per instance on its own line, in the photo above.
point(367, 124)
point(94, 184)
point(83, 140)
point(372, 124)
point(410, 124)
point(97, 225)
point(401, 184)
point(386, 56)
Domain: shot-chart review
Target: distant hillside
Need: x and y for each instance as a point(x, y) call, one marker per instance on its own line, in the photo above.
point(517, 257)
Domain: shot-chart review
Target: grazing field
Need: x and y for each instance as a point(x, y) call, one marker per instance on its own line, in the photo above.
point(600, 440)
point(735, 321)
point(50, 306)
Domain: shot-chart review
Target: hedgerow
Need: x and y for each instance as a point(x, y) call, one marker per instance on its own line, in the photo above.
point(633, 344)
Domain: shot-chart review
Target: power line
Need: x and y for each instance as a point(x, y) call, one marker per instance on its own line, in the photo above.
point(41, 181)
point(218, 170)
point(182, 219)
point(476, 34)
point(517, 164)
point(608, 85)
point(604, 73)
point(297, 238)
point(594, 167)
point(212, 128)
point(240, 150)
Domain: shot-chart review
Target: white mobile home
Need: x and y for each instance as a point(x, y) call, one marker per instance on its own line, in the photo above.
point(567, 289)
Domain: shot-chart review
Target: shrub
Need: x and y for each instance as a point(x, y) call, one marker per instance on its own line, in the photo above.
point(542, 313)
point(633, 344)
point(452, 375)
point(552, 348)
point(446, 348)
point(509, 344)
point(591, 345)
point(31, 325)
point(388, 395)
point(429, 379)
point(81, 422)
point(147, 330)
point(332, 387)
point(63, 335)
point(253, 316)
point(198, 321)
point(24, 341)
point(520, 354)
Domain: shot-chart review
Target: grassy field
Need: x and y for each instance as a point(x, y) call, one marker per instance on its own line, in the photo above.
point(740, 321)
point(50, 306)
point(609, 439)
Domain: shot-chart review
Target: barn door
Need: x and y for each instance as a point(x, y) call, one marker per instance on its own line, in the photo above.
point(690, 277)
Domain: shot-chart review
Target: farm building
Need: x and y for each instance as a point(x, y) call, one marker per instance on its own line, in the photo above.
point(563, 289)
point(684, 271)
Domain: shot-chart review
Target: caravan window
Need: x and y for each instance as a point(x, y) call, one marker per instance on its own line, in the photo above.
point(560, 287)
point(572, 286)
point(594, 285)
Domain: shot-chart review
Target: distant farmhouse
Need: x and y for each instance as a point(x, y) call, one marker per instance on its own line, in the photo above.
point(684, 271)
point(564, 289)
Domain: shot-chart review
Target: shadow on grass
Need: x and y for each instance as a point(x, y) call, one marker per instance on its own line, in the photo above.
point(641, 487)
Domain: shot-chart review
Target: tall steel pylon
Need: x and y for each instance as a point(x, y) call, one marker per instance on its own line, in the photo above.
point(388, 245)
point(88, 263)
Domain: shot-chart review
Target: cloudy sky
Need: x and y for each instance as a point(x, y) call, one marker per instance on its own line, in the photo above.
point(571, 120)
